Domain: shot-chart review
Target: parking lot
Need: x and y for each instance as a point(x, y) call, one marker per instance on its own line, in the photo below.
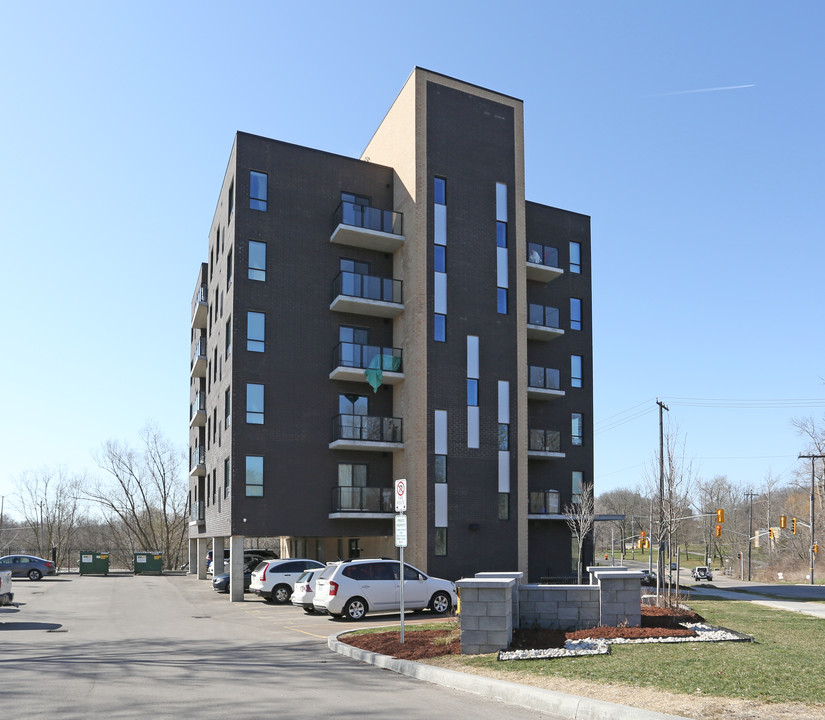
point(127, 646)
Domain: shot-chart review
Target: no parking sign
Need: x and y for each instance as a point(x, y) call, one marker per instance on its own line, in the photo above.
point(401, 495)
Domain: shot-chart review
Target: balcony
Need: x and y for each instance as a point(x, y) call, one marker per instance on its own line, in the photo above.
point(367, 227)
point(362, 503)
point(544, 444)
point(200, 309)
point(366, 295)
point(365, 432)
point(544, 505)
point(197, 514)
point(542, 263)
point(197, 461)
point(372, 364)
point(199, 360)
point(543, 383)
point(543, 322)
point(197, 410)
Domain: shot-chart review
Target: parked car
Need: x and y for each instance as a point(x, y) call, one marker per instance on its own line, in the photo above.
point(220, 582)
point(649, 578)
point(28, 566)
point(250, 556)
point(353, 588)
point(274, 580)
point(702, 573)
point(304, 590)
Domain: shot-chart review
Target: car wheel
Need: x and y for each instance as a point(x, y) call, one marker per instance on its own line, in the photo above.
point(309, 611)
point(355, 609)
point(441, 603)
point(35, 574)
point(281, 594)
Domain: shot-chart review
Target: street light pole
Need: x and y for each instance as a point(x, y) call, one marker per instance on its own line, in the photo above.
point(660, 564)
point(813, 459)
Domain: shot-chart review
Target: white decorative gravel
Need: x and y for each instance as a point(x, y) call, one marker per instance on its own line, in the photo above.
point(601, 646)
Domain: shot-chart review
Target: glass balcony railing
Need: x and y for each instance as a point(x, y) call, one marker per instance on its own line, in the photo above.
point(202, 295)
point(362, 499)
point(200, 351)
point(366, 357)
point(367, 428)
point(197, 456)
point(369, 218)
point(542, 315)
point(196, 512)
point(542, 255)
point(198, 404)
point(543, 378)
point(544, 503)
point(368, 287)
point(544, 441)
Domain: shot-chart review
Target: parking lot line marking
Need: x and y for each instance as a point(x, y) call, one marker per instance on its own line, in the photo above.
point(289, 627)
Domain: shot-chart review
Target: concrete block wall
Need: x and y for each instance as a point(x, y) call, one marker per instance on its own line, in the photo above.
point(620, 603)
point(559, 607)
point(518, 577)
point(486, 614)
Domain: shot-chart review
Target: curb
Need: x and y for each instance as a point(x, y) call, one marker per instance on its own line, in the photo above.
point(561, 704)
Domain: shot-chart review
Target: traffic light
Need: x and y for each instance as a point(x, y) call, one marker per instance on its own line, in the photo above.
point(643, 533)
point(718, 531)
point(770, 533)
point(793, 525)
point(647, 544)
point(783, 521)
point(720, 516)
point(816, 548)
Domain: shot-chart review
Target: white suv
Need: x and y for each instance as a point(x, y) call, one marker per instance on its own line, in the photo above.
point(275, 579)
point(355, 587)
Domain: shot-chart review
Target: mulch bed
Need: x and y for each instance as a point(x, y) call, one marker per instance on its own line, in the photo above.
point(423, 644)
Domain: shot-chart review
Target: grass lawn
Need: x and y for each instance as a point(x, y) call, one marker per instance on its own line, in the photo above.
point(786, 663)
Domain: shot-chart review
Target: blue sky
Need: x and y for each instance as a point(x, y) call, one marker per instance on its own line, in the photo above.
point(691, 133)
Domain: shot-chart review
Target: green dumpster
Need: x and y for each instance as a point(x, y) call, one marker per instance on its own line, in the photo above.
point(93, 563)
point(148, 562)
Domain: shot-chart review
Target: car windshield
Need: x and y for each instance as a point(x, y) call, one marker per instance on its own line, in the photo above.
point(260, 566)
point(328, 571)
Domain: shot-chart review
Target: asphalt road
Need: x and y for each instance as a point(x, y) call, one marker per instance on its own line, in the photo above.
point(161, 647)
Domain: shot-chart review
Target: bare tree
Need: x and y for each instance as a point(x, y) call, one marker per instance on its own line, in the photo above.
point(581, 517)
point(144, 500)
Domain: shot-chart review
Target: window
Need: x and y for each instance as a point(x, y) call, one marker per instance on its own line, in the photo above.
point(440, 328)
point(576, 428)
point(501, 234)
point(228, 337)
point(254, 476)
point(257, 260)
point(229, 269)
point(577, 479)
point(254, 404)
point(441, 468)
point(501, 301)
point(503, 506)
point(503, 436)
point(226, 477)
point(441, 541)
point(255, 331)
point(501, 202)
point(439, 191)
point(230, 201)
point(472, 392)
point(575, 314)
point(227, 408)
point(576, 371)
point(351, 404)
point(354, 266)
point(440, 258)
point(575, 257)
point(257, 190)
point(352, 475)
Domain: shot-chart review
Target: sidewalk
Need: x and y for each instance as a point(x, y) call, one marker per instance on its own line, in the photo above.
point(815, 609)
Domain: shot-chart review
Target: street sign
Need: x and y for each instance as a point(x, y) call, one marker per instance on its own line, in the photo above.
point(400, 497)
point(401, 531)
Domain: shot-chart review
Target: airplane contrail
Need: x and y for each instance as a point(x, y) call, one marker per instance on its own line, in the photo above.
point(705, 90)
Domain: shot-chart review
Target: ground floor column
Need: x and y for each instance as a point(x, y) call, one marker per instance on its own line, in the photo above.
point(203, 546)
point(236, 568)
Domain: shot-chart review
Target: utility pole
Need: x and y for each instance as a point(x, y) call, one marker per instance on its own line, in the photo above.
point(661, 561)
point(813, 459)
point(750, 530)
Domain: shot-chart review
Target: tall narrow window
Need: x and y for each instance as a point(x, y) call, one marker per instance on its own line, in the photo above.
point(577, 480)
point(440, 328)
point(226, 477)
point(577, 429)
point(439, 191)
point(257, 190)
point(257, 260)
point(440, 258)
point(440, 541)
point(440, 468)
point(575, 257)
point(503, 506)
point(228, 337)
point(227, 407)
point(501, 234)
point(229, 269)
point(472, 392)
point(576, 371)
point(254, 479)
point(575, 314)
point(255, 331)
point(255, 404)
point(230, 202)
point(501, 301)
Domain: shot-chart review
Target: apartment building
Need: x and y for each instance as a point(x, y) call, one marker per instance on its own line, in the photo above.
point(405, 314)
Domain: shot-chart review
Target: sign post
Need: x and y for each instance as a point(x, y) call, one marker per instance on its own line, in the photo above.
point(401, 539)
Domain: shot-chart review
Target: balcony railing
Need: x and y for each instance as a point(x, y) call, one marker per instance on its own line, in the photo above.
point(368, 287)
point(197, 513)
point(369, 218)
point(199, 359)
point(544, 441)
point(197, 411)
point(199, 308)
point(367, 428)
point(543, 378)
point(362, 500)
point(544, 503)
point(542, 315)
point(363, 357)
point(542, 255)
point(197, 461)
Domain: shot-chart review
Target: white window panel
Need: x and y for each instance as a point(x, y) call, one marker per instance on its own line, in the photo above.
point(472, 356)
point(441, 505)
point(501, 267)
point(440, 293)
point(501, 202)
point(504, 471)
point(472, 427)
point(440, 229)
point(504, 401)
point(440, 432)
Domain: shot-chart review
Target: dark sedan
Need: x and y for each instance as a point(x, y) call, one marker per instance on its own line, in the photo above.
point(28, 566)
point(220, 582)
